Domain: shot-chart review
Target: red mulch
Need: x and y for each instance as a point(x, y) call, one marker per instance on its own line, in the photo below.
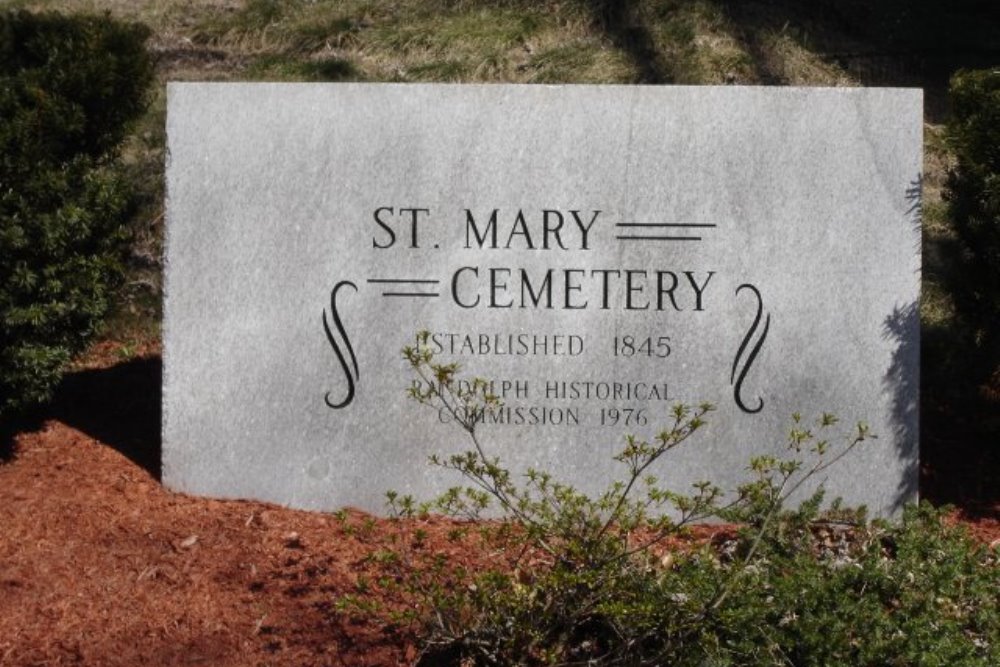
point(99, 565)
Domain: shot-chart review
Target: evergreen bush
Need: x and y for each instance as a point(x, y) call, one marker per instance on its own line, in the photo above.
point(973, 195)
point(69, 88)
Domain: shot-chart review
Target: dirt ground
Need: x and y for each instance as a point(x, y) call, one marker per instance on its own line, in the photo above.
point(100, 565)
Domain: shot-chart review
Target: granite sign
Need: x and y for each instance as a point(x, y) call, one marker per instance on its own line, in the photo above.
point(598, 252)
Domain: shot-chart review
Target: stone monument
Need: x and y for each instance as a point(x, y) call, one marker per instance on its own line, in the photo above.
point(598, 252)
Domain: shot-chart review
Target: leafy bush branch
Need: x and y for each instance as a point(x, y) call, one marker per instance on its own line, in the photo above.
point(573, 579)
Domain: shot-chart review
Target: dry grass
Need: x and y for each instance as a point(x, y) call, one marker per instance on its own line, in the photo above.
point(788, 62)
point(936, 307)
point(456, 40)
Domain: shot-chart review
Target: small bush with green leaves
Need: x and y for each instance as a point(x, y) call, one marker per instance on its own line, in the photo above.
point(69, 88)
point(920, 593)
point(576, 580)
point(973, 195)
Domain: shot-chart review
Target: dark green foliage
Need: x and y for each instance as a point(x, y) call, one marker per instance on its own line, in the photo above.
point(69, 87)
point(71, 84)
point(973, 195)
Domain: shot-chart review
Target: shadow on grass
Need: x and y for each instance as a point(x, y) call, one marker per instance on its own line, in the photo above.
point(627, 30)
point(887, 43)
point(120, 406)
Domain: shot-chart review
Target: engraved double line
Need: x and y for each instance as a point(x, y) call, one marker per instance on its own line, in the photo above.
point(659, 231)
point(406, 287)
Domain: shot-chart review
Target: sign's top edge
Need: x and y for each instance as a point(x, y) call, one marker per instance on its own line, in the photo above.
point(540, 86)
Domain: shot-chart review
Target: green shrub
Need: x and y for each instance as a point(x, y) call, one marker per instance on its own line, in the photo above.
point(69, 87)
point(919, 593)
point(973, 195)
point(576, 580)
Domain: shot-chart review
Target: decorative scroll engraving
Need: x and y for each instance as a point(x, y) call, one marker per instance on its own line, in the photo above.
point(350, 373)
point(743, 365)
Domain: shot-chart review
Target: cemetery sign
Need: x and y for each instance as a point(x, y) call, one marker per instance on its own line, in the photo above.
point(599, 253)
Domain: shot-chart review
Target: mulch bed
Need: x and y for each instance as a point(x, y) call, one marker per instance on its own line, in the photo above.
point(100, 565)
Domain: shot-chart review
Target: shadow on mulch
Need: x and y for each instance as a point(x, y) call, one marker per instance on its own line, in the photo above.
point(962, 470)
point(120, 406)
point(7, 442)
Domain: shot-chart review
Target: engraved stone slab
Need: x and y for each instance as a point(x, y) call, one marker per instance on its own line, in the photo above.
point(599, 252)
